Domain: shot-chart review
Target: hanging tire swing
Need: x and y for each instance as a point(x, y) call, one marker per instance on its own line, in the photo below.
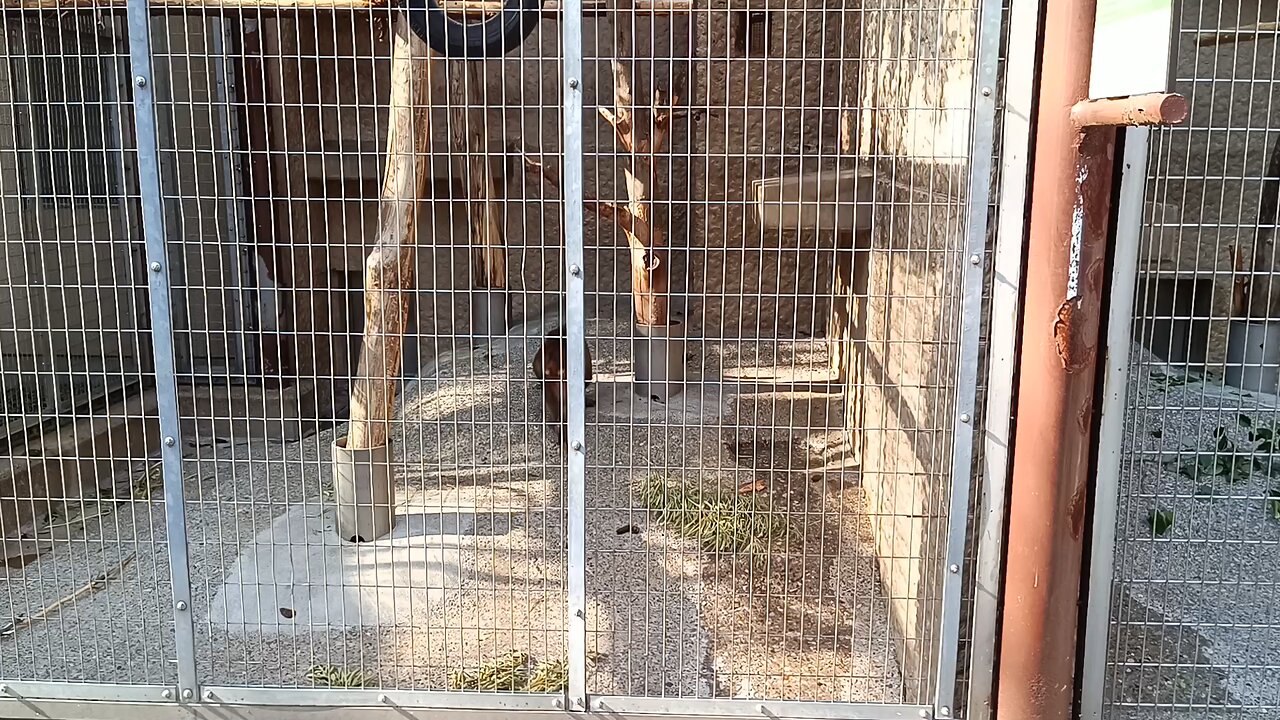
point(496, 36)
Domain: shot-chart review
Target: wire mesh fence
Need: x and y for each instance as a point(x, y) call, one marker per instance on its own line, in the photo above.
point(1193, 596)
point(632, 367)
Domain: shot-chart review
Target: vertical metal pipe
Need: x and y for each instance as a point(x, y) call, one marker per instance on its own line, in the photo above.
point(153, 229)
point(575, 311)
point(1066, 257)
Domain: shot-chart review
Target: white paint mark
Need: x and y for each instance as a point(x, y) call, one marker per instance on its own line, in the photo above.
point(268, 304)
point(1077, 235)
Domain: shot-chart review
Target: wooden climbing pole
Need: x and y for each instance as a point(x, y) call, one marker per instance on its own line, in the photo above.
point(389, 269)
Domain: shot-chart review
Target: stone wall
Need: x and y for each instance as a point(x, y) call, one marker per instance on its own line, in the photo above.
point(915, 100)
point(1206, 180)
point(743, 120)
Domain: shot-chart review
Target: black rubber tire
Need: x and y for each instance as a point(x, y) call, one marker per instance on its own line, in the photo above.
point(495, 37)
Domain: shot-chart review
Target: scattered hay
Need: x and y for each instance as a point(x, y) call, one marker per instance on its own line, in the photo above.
point(510, 673)
point(551, 676)
point(723, 521)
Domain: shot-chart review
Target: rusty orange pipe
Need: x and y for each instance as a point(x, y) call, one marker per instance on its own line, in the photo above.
point(1066, 258)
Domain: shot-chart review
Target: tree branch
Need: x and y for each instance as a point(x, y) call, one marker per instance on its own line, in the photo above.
point(603, 208)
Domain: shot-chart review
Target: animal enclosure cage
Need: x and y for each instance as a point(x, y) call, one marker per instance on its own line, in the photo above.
point(1183, 601)
point(662, 329)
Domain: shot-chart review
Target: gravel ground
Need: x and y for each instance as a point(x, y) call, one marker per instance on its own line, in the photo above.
point(1196, 604)
point(664, 617)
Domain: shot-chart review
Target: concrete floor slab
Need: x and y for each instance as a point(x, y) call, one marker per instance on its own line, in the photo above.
point(297, 575)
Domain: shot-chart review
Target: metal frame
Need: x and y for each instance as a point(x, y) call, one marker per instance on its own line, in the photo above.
point(1124, 279)
point(169, 710)
point(137, 702)
point(981, 164)
point(575, 311)
point(162, 343)
point(1018, 100)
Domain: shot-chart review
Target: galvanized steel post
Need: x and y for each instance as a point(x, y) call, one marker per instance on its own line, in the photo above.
point(575, 311)
point(162, 342)
point(973, 263)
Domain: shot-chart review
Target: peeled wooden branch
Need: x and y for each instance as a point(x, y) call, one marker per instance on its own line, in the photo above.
point(650, 287)
point(389, 270)
point(603, 208)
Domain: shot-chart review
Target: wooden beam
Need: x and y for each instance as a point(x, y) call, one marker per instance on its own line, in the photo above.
point(468, 123)
point(1132, 111)
point(389, 269)
point(551, 9)
point(1244, 33)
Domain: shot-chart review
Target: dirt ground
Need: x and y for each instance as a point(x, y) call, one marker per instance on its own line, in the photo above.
point(665, 616)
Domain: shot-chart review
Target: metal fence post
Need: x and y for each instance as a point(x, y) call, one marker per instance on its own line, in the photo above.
point(162, 340)
point(575, 311)
point(981, 160)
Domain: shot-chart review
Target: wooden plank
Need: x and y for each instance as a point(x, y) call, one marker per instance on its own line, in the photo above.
point(389, 270)
point(468, 126)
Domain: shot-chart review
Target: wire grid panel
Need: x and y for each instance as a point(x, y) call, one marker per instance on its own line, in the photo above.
point(774, 277)
point(279, 143)
point(82, 521)
point(772, 402)
point(1193, 627)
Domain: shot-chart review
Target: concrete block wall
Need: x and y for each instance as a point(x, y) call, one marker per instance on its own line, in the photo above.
point(1206, 180)
point(746, 119)
point(915, 98)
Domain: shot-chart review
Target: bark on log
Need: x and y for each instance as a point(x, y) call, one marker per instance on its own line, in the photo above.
point(389, 269)
point(468, 139)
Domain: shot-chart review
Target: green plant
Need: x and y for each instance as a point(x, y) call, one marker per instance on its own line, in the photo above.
point(551, 676)
point(1160, 521)
point(334, 676)
point(507, 673)
point(1227, 460)
point(1163, 380)
point(722, 521)
point(1263, 437)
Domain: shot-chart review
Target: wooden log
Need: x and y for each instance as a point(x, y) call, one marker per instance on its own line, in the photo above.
point(389, 269)
point(650, 266)
point(467, 136)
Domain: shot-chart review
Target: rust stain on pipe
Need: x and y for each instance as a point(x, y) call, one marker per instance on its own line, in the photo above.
point(1079, 502)
point(1062, 333)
